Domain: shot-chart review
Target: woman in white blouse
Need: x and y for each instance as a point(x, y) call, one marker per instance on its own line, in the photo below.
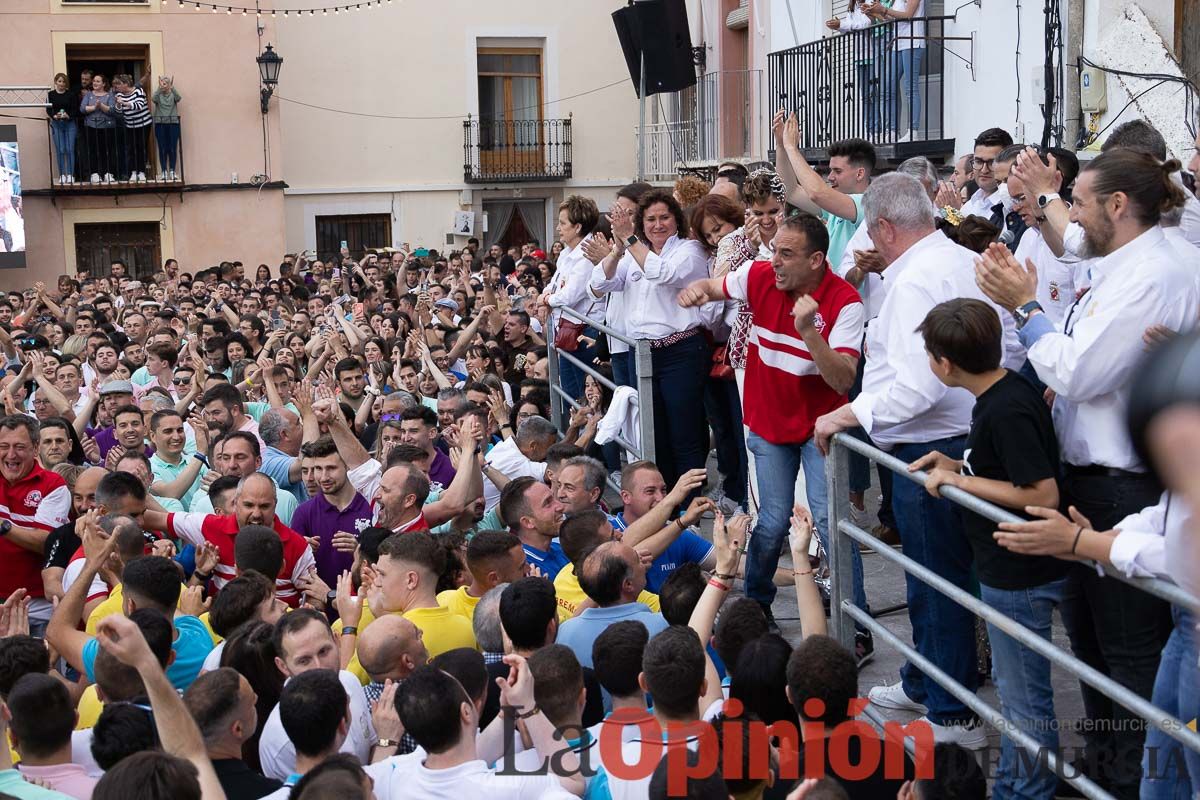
point(662, 262)
point(577, 217)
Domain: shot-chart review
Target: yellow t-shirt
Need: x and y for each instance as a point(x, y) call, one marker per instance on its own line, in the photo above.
point(444, 630)
point(89, 708)
point(110, 606)
point(570, 594)
point(459, 601)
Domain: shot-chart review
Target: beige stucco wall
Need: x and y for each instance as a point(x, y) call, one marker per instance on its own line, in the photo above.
point(211, 57)
point(408, 59)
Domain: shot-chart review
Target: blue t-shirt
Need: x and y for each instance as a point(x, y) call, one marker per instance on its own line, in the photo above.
point(688, 547)
point(548, 561)
point(276, 464)
point(191, 646)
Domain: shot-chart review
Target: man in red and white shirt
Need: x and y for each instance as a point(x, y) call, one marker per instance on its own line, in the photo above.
point(801, 361)
point(33, 502)
point(254, 504)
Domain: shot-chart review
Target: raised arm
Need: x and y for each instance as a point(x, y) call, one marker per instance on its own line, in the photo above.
point(824, 196)
point(468, 479)
point(727, 541)
point(348, 445)
point(177, 731)
point(808, 599)
point(783, 167)
point(653, 521)
point(63, 632)
point(178, 487)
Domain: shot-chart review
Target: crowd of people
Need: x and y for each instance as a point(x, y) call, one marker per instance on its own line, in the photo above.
point(316, 531)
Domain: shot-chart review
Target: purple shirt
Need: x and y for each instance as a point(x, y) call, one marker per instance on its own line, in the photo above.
point(318, 517)
point(106, 438)
point(440, 469)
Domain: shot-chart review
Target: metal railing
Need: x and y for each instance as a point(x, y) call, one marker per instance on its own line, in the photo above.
point(855, 84)
point(118, 157)
point(643, 368)
point(720, 117)
point(844, 614)
point(516, 149)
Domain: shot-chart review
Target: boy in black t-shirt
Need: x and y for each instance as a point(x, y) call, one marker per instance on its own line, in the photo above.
point(1011, 459)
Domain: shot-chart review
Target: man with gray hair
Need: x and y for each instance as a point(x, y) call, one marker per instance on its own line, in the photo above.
point(489, 634)
point(579, 484)
point(524, 455)
point(904, 408)
point(283, 433)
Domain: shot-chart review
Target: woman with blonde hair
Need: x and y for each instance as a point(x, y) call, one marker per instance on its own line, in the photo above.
point(166, 126)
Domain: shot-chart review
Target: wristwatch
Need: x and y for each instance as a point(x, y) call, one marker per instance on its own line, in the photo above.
point(1022, 313)
point(201, 458)
point(1046, 199)
point(5, 527)
point(631, 240)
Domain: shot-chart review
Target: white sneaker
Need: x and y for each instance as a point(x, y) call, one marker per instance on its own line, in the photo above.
point(894, 697)
point(95, 178)
point(141, 177)
point(174, 175)
point(972, 736)
point(108, 178)
point(70, 179)
point(62, 179)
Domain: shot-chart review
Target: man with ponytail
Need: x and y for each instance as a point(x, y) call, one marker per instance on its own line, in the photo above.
point(1087, 361)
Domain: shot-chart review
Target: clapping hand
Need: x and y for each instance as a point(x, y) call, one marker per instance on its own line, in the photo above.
point(1003, 279)
point(801, 535)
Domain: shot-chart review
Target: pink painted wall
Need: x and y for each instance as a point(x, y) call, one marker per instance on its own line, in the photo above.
point(211, 57)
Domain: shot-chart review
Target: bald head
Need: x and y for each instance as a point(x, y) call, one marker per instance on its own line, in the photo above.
point(84, 492)
point(255, 500)
point(391, 647)
point(612, 574)
point(726, 188)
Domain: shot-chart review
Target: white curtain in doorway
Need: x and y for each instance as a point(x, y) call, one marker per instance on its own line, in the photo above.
point(533, 215)
point(499, 215)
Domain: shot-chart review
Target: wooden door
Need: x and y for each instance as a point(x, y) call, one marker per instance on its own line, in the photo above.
point(511, 137)
point(97, 245)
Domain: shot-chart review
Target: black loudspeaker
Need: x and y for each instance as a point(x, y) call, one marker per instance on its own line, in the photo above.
point(658, 29)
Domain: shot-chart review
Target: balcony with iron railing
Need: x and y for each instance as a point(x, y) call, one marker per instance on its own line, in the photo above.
point(863, 84)
point(694, 129)
point(115, 160)
point(504, 150)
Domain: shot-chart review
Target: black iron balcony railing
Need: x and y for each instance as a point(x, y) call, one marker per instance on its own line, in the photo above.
point(104, 159)
point(516, 150)
point(883, 83)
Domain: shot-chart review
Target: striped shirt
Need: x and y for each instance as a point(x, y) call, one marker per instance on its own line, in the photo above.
point(137, 112)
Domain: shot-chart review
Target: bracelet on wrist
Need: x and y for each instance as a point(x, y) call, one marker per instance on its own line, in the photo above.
point(1075, 543)
point(350, 630)
point(530, 713)
point(801, 573)
point(203, 576)
point(716, 584)
point(724, 576)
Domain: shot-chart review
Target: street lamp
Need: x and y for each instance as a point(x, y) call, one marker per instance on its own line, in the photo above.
point(268, 69)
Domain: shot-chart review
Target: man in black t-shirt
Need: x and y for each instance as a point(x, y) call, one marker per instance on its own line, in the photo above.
point(1011, 459)
point(62, 542)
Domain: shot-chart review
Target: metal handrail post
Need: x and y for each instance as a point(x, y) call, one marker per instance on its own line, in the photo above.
point(556, 415)
point(841, 557)
point(644, 365)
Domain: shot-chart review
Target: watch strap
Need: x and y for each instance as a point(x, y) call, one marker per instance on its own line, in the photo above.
point(1048, 198)
point(350, 630)
point(388, 743)
point(630, 241)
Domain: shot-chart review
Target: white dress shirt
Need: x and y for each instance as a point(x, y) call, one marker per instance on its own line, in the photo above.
point(873, 287)
point(278, 755)
point(1057, 284)
point(902, 401)
point(573, 271)
point(615, 315)
point(979, 205)
point(1155, 543)
point(1089, 360)
point(652, 290)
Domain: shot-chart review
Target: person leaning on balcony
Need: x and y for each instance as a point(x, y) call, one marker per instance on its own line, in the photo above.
point(135, 110)
point(99, 128)
point(62, 111)
point(166, 126)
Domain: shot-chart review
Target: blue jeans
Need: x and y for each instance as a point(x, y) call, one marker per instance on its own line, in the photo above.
point(572, 377)
point(64, 131)
point(776, 466)
point(943, 631)
point(680, 429)
point(868, 93)
point(1023, 681)
point(624, 369)
point(167, 136)
point(1171, 771)
point(903, 69)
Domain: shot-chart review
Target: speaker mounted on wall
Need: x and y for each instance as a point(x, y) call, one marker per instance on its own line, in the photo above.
point(657, 30)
